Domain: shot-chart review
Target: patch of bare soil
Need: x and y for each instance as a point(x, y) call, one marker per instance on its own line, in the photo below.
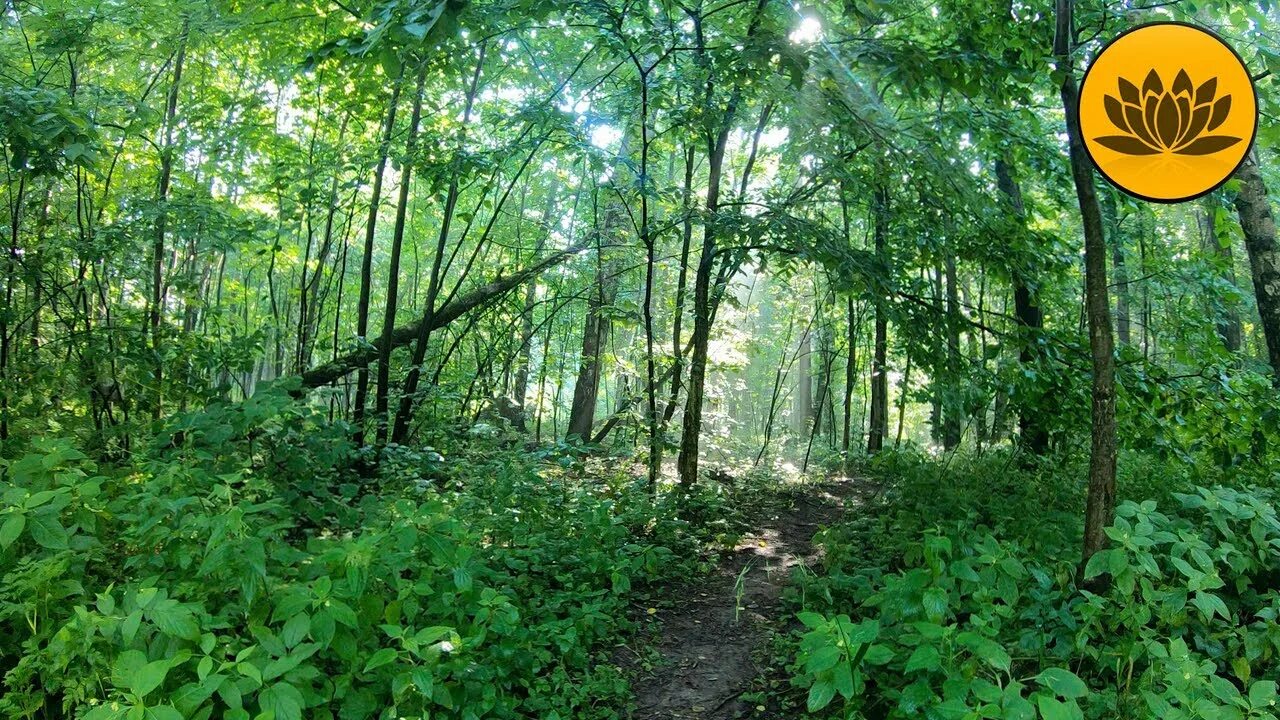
point(714, 628)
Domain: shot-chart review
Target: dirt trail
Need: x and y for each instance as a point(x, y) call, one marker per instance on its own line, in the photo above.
point(707, 642)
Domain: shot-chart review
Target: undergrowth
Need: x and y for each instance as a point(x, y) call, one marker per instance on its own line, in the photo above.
point(254, 563)
point(956, 595)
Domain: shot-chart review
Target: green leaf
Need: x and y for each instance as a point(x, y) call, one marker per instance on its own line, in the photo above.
point(129, 628)
point(879, 655)
point(811, 620)
point(1209, 604)
point(282, 699)
point(862, 633)
point(47, 530)
point(1063, 682)
point(173, 619)
point(820, 695)
point(163, 712)
point(935, 603)
point(1262, 694)
point(380, 658)
point(423, 680)
point(1053, 709)
point(1098, 564)
point(925, 657)
point(296, 629)
point(12, 528)
point(824, 658)
point(148, 677)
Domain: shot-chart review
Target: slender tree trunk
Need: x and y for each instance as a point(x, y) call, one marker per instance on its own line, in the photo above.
point(405, 412)
point(952, 408)
point(1028, 316)
point(308, 295)
point(1259, 225)
point(687, 461)
point(366, 260)
point(586, 390)
point(802, 405)
point(703, 310)
point(1100, 505)
point(647, 240)
point(878, 425)
point(903, 390)
point(850, 376)
point(381, 399)
point(11, 261)
point(162, 200)
point(1111, 217)
point(520, 384)
point(686, 238)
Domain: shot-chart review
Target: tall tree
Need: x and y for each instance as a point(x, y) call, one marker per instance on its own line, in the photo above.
point(1259, 226)
point(383, 392)
point(1026, 312)
point(878, 424)
point(1101, 500)
point(366, 258)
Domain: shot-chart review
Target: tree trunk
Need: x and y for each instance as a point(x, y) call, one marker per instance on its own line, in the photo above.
point(850, 376)
point(162, 200)
point(452, 310)
point(381, 399)
point(366, 260)
point(686, 237)
point(1100, 505)
point(952, 408)
point(520, 384)
point(586, 389)
point(878, 424)
point(1259, 227)
point(405, 412)
point(687, 462)
point(1029, 318)
point(802, 405)
point(703, 309)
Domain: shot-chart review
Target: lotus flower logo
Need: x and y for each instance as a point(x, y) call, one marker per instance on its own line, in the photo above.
point(1156, 120)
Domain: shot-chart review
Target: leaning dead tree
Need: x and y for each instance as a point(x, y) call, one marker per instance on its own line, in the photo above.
point(406, 334)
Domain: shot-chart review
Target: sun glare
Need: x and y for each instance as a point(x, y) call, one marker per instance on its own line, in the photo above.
point(809, 31)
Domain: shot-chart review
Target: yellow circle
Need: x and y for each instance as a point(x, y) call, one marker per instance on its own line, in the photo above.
point(1167, 112)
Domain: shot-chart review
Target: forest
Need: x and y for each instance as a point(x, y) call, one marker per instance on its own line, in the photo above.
point(648, 359)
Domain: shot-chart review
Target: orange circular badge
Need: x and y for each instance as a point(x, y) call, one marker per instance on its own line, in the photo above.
point(1167, 112)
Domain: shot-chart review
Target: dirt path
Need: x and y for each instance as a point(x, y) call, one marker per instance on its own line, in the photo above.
point(708, 641)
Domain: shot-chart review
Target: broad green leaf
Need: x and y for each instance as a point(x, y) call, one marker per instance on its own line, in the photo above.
point(380, 658)
point(282, 699)
point(12, 528)
point(820, 695)
point(935, 603)
point(824, 658)
point(1063, 682)
point(924, 657)
point(47, 530)
point(148, 677)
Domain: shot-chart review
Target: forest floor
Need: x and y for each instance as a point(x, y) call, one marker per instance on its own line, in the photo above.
point(712, 646)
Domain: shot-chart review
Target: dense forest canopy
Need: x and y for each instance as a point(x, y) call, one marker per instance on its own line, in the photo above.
point(391, 358)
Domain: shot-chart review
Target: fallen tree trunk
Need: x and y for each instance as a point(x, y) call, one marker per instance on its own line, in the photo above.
point(402, 336)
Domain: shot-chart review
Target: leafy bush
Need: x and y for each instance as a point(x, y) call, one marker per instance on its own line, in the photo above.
point(246, 568)
point(969, 622)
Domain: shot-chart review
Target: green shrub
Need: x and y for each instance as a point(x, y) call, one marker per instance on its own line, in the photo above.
point(969, 622)
point(246, 568)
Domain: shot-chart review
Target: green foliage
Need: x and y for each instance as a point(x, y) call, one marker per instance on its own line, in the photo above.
point(247, 572)
point(967, 620)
